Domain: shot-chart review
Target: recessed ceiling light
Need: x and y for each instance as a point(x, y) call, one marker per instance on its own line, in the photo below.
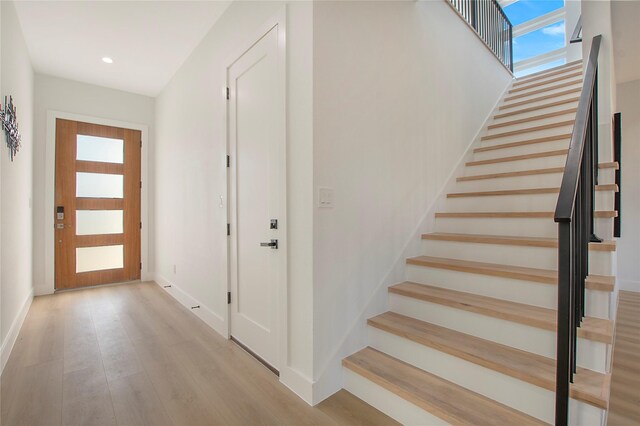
point(107, 60)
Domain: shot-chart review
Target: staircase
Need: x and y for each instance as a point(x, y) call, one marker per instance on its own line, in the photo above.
point(470, 337)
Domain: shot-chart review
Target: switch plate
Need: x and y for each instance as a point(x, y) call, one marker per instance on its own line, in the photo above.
point(325, 197)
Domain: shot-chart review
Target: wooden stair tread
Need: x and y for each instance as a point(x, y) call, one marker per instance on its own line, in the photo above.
point(534, 118)
point(511, 240)
point(566, 137)
point(518, 157)
point(531, 84)
point(529, 130)
point(545, 276)
point(544, 90)
point(540, 98)
point(527, 191)
point(443, 399)
point(550, 72)
point(589, 386)
point(596, 329)
point(536, 215)
point(526, 173)
point(536, 108)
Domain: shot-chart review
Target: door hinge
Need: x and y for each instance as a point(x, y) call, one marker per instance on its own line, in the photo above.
point(228, 161)
point(228, 229)
point(140, 144)
point(228, 94)
point(228, 297)
point(140, 184)
point(140, 265)
point(140, 225)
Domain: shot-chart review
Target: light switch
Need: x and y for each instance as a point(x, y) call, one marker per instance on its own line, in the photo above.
point(325, 197)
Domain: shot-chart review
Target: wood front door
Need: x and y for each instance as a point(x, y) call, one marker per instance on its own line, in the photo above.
point(97, 207)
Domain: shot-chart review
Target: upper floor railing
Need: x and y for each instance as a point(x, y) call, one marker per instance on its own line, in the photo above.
point(575, 217)
point(488, 19)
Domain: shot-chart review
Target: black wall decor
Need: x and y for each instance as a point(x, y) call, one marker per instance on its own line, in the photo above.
point(10, 126)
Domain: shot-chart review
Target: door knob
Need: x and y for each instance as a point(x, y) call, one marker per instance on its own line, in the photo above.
point(273, 244)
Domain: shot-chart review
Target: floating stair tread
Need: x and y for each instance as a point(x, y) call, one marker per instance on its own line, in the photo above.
point(544, 90)
point(527, 191)
point(540, 98)
point(535, 215)
point(566, 137)
point(545, 276)
point(536, 108)
point(446, 400)
point(589, 386)
point(525, 85)
point(549, 72)
point(529, 130)
point(596, 329)
point(519, 157)
point(526, 173)
point(510, 240)
point(534, 118)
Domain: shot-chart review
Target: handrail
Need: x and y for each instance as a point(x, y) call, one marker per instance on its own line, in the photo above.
point(617, 157)
point(569, 186)
point(491, 24)
point(576, 37)
point(575, 216)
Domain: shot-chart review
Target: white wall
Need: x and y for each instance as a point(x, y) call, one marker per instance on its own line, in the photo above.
point(400, 91)
point(16, 284)
point(57, 94)
point(628, 102)
point(191, 176)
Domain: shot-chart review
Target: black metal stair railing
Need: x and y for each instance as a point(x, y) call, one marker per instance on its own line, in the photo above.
point(488, 19)
point(575, 217)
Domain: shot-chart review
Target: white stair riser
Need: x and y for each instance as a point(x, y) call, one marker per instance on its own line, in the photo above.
point(600, 262)
point(524, 81)
point(521, 150)
point(547, 180)
point(517, 103)
point(538, 85)
point(520, 291)
point(539, 122)
point(517, 165)
point(533, 134)
point(527, 114)
point(520, 395)
point(388, 402)
point(519, 227)
point(592, 355)
point(530, 95)
point(520, 202)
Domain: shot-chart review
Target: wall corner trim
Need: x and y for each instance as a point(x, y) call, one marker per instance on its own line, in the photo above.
point(12, 336)
point(298, 383)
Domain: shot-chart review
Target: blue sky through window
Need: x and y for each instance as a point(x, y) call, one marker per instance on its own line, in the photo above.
point(537, 42)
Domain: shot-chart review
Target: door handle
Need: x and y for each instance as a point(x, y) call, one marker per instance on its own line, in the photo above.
point(273, 244)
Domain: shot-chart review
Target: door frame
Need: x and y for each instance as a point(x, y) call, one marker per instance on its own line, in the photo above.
point(278, 20)
point(50, 178)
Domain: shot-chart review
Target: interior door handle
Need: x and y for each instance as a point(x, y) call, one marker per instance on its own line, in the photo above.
point(273, 244)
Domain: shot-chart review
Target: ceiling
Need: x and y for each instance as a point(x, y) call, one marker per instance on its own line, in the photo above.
point(626, 33)
point(148, 40)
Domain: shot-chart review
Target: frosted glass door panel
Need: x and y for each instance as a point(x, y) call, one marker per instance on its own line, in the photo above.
point(105, 150)
point(99, 258)
point(99, 185)
point(95, 222)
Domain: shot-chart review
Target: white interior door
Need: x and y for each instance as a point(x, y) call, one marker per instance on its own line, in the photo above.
point(257, 186)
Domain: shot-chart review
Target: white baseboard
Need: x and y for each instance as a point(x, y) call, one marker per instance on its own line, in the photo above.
point(210, 318)
point(12, 336)
point(629, 285)
point(298, 383)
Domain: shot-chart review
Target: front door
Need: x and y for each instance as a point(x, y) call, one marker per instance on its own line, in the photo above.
point(97, 235)
point(257, 196)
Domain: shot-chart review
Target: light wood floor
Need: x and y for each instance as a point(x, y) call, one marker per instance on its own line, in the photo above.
point(131, 355)
point(624, 404)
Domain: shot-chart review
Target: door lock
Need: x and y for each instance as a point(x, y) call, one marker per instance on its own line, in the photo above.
point(273, 244)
